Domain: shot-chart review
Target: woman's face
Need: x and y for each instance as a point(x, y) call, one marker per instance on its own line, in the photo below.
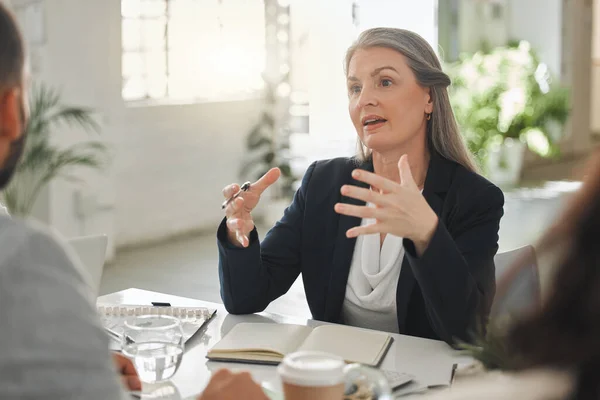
point(387, 106)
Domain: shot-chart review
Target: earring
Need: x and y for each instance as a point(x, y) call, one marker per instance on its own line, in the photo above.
point(428, 116)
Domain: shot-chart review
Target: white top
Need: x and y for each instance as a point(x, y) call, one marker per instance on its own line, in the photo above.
point(370, 300)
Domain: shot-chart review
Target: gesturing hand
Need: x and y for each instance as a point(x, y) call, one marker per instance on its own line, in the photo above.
point(400, 208)
point(225, 385)
point(239, 220)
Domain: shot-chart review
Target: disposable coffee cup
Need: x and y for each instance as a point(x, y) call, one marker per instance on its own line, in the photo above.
point(312, 375)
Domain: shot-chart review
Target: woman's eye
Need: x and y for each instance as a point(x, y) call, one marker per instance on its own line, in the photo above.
point(354, 89)
point(386, 82)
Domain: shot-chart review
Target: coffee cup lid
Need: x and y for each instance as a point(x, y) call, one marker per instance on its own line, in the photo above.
point(312, 368)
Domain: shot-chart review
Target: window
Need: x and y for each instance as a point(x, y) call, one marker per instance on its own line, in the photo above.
point(185, 50)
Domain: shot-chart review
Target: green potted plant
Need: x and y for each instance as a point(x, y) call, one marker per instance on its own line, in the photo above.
point(42, 161)
point(506, 101)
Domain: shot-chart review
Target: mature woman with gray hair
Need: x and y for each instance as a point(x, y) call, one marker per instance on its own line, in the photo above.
point(400, 238)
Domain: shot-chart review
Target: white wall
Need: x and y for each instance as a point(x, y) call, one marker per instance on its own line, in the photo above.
point(477, 24)
point(417, 16)
point(539, 22)
point(169, 162)
point(331, 33)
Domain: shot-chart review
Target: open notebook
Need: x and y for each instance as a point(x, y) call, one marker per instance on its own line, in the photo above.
point(266, 343)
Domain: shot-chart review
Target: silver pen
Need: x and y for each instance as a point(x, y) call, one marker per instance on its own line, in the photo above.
point(244, 188)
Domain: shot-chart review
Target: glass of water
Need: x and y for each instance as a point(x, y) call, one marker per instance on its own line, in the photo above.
point(154, 343)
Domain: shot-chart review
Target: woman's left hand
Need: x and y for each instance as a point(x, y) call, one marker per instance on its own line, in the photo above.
point(400, 208)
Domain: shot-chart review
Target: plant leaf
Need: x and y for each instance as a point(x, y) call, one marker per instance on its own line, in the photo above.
point(41, 161)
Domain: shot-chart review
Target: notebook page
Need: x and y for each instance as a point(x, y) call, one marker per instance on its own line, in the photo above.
point(279, 338)
point(352, 344)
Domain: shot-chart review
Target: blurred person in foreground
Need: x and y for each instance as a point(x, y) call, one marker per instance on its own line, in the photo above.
point(555, 350)
point(52, 345)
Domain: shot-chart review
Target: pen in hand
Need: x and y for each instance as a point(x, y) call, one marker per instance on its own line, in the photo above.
point(244, 188)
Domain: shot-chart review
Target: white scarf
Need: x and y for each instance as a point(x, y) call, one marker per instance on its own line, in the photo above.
point(371, 289)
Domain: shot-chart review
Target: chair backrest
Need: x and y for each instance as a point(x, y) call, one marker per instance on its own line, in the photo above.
point(520, 284)
point(92, 253)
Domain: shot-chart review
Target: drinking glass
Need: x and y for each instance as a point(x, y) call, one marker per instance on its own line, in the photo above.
point(155, 345)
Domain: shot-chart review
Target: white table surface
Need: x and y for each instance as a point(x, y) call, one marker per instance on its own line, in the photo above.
point(428, 360)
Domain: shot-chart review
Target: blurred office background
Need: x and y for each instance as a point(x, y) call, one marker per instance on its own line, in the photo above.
point(191, 95)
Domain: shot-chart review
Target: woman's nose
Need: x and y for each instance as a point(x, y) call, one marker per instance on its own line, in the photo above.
point(367, 97)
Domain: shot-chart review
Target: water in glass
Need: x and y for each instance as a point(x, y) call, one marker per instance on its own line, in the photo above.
point(155, 345)
point(154, 361)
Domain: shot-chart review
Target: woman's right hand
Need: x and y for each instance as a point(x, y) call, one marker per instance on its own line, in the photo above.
point(239, 220)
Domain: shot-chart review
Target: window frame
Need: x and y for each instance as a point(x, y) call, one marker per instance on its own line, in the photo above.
point(166, 98)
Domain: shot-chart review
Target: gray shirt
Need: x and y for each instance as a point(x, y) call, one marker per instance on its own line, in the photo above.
point(52, 345)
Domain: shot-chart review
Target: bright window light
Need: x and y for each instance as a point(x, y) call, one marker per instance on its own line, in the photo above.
point(188, 50)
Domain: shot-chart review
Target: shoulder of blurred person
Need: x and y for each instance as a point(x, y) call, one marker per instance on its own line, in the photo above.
point(37, 240)
point(563, 332)
point(54, 346)
point(535, 384)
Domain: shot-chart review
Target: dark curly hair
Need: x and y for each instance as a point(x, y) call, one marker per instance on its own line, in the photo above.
point(565, 331)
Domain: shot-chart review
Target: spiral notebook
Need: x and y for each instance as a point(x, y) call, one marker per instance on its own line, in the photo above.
point(192, 318)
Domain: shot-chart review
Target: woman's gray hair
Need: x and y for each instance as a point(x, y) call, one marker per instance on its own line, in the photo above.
point(443, 135)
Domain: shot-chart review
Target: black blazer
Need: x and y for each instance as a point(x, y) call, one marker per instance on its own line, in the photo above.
point(439, 295)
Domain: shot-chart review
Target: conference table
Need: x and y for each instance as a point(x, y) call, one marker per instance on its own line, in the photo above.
point(429, 361)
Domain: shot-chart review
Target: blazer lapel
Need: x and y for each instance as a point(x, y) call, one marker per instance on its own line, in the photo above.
point(437, 181)
point(343, 251)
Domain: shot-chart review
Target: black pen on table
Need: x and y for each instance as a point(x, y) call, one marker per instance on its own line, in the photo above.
point(244, 188)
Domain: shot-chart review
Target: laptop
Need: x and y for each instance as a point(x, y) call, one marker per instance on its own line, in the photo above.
point(92, 253)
